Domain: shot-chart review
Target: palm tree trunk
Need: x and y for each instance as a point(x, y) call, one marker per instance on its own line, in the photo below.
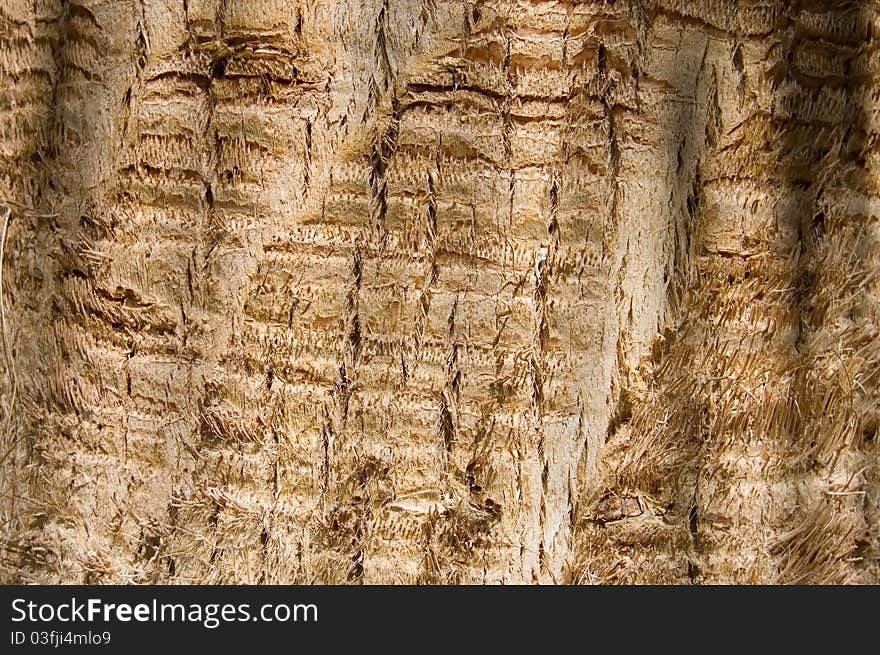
point(440, 291)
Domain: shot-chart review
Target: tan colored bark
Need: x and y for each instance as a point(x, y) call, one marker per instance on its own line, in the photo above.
point(440, 291)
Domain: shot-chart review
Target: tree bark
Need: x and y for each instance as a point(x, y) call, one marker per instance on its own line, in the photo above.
point(431, 291)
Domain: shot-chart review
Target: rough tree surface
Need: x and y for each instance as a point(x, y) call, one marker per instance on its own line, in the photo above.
point(436, 291)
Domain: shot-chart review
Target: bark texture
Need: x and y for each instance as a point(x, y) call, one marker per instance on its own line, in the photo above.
point(438, 291)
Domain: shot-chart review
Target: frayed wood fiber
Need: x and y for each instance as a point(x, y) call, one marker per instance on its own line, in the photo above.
point(432, 291)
